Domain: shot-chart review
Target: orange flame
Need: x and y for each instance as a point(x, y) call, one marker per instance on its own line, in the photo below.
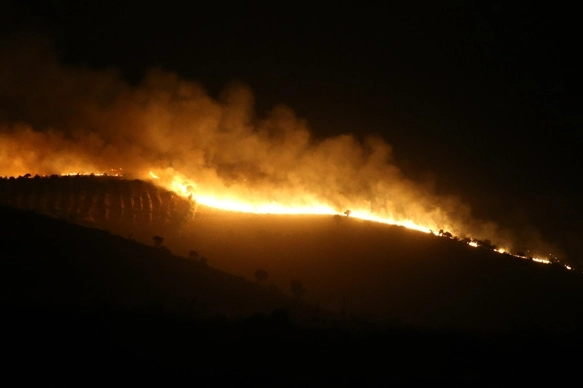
point(304, 206)
point(231, 202)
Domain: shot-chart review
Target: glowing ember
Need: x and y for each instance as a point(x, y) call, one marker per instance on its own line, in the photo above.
point(88, 174)
point(543, 261)
point(113, 172)
point(473, 244)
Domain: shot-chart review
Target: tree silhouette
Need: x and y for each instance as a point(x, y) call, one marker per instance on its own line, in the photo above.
point(487, 244)
point(193, 255)
point(158, 241)
point(347, 212)
point(297, 289)
point(261, 275)
point(445, 233)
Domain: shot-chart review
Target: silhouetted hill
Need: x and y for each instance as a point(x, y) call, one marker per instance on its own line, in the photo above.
point(50, 263)
point(83, 307)
point(101, 201)
point(362, 270)
point(390, 273)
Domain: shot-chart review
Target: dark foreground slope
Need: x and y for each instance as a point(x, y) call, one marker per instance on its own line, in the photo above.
point(82, 307)
point(390, 273)
point(48, 262)
point(362, 270)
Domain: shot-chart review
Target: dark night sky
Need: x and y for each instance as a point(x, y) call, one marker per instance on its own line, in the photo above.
point(482, 99)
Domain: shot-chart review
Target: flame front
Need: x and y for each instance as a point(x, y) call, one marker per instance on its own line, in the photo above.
point(304, 206)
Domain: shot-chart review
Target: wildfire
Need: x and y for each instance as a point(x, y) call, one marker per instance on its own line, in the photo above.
point(230, 202)
point(363, 215)
point(219, 153)
point(543, 261)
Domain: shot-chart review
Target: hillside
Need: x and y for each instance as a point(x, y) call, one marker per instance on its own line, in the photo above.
point(385, 272)
point(50, 263)
point(361, 270)
point(102, 201)
point(81, 305)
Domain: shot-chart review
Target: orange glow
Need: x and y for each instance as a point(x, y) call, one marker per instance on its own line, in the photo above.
point(232, 202)
point(112, 172)
point(216, 152)
point(240, 198)
point(543, 261)
point(89, 173)
point(229, 200)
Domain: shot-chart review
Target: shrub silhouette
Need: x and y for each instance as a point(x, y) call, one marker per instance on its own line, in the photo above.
point(158, 241)
point(297, 289)
point(261, 275)
point(193, 255)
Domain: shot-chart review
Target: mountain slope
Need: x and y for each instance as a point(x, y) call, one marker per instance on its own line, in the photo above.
point(48, 262)
point(361, 270)
point(392, 273)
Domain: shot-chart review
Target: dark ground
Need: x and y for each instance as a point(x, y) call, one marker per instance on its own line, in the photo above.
point(62, 347)
point(77, 311)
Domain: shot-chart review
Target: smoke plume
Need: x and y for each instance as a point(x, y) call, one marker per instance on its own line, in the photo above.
point(58, 119)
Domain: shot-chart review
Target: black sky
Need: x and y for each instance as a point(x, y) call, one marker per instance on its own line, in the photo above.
point(482, 99)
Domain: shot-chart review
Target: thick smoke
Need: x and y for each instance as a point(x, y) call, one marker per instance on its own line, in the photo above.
point(58, 119)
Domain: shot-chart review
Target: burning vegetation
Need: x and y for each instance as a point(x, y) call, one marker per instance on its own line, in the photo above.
point(108, 199)
point(213, 151)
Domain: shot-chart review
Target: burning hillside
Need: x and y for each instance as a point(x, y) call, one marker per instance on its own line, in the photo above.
point(58, 119)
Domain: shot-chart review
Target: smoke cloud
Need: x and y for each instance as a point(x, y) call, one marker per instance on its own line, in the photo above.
point(58, 119)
